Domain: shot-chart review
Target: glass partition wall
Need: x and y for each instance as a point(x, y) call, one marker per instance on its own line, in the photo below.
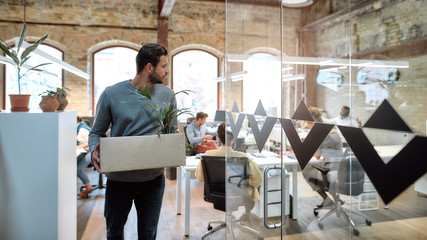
point(340, 80)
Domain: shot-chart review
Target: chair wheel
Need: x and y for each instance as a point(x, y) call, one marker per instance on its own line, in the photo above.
point(315, 213)
point(320, 225)
point(369, 223)
point(355, 232)
point(209, 227)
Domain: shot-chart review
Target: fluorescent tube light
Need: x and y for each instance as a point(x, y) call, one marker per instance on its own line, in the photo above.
point(6, 60)
point(294, 77)
point(327, 61)
point(60, 63)
point(220, 79)
point(238, 76)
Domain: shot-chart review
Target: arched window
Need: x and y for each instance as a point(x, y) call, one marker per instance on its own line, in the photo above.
point(262, 82)
point(112, 65)
point(196, 70)
point(34, 82)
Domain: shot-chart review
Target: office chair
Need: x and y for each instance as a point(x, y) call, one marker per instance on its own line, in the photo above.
point(190, 148)
point(100, 184)
point(214, 170)
point(350, 180)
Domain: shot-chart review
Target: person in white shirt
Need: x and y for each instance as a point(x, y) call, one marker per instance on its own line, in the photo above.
point(344, 119)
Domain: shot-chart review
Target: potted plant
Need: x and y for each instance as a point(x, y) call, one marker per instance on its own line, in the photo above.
point(62, 97)
point(171, 145)
point(165, 116)
point(49, 102)
point(19, 102)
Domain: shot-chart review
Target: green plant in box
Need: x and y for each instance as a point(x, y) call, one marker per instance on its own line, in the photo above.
point(165, 116)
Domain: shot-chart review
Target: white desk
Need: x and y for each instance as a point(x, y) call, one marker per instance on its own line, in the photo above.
point(192, 163)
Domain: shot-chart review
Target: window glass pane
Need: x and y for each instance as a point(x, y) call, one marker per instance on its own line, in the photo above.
point(112, 65)
point(262, 82)
point(34, 82)
point(196, 70)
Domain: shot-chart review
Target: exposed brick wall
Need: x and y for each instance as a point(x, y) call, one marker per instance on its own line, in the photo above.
point(77, 26)
point(385, 29)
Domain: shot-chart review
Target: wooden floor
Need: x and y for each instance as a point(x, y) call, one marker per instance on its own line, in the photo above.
point(405, 219)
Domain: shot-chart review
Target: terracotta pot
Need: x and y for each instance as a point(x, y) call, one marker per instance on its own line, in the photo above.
point(19, 102)
point(49, 103)
point(63, 102)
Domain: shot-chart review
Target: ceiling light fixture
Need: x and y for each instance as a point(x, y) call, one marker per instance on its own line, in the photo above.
point(296, 3)
point(328, 61)
point(60, 63)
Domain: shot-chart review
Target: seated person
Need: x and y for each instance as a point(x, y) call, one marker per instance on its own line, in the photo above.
point(197, 134)
point(82, 161)
point(332, 151)
point(255, 178)
point(344, 119)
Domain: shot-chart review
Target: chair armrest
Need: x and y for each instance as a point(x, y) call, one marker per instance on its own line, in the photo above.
point(323, 170)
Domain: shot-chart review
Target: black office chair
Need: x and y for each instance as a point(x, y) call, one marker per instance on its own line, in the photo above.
point(190, 148)
point(236, 194)
point(350, 180)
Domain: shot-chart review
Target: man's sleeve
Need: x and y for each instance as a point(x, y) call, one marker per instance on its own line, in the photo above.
point(175, 120)
point(101, 122)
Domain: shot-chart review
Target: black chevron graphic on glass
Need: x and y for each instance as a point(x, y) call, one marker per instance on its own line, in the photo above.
point(302, 113)
point(306, 149)
point(235, 108)
point(385, 117)
point(401, 171)
point(235, 127)
point(261, 136)
point(260, 109)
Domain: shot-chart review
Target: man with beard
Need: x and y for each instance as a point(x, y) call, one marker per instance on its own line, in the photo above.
point(119, 106)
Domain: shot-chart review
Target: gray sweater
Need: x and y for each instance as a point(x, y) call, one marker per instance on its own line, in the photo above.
point(129, 115)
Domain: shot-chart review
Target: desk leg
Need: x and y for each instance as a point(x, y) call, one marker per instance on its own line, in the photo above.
point(295, 192)
point(187, 204)
point(178, 190)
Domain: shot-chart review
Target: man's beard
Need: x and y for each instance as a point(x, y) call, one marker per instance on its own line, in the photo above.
point(155, 78)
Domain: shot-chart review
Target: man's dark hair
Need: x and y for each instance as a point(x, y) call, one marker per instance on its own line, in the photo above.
point(223, 134)
point(221, 131)
point(201, 115)
point(149, 53)
point(345, 111)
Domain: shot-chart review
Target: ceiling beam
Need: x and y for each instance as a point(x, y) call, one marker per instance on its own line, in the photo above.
point(165, 7)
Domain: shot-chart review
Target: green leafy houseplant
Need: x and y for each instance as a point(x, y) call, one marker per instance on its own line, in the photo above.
point(20, 60)
point(164, 116)
point(62, 91)
point(49, 93)
point(49, 103)
point(62, 97)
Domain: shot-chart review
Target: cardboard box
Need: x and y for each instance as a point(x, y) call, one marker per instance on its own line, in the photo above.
point(142, 152)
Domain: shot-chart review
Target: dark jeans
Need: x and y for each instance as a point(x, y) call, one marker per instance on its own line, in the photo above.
point(147, 197)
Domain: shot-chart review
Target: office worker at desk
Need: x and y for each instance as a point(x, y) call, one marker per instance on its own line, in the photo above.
point(331, 150)
point(197, 134)
point(255, 177)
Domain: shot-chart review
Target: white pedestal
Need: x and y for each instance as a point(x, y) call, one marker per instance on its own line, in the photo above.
point(38, 175)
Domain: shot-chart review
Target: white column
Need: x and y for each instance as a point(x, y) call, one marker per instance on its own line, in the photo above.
point(38, 175)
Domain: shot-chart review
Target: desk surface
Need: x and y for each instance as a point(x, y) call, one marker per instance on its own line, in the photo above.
point(386, 152)
point(193, 162)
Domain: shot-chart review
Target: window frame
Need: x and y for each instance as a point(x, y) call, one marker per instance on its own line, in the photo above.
point(4, 69)
point(202, 50)
point(92, 91)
